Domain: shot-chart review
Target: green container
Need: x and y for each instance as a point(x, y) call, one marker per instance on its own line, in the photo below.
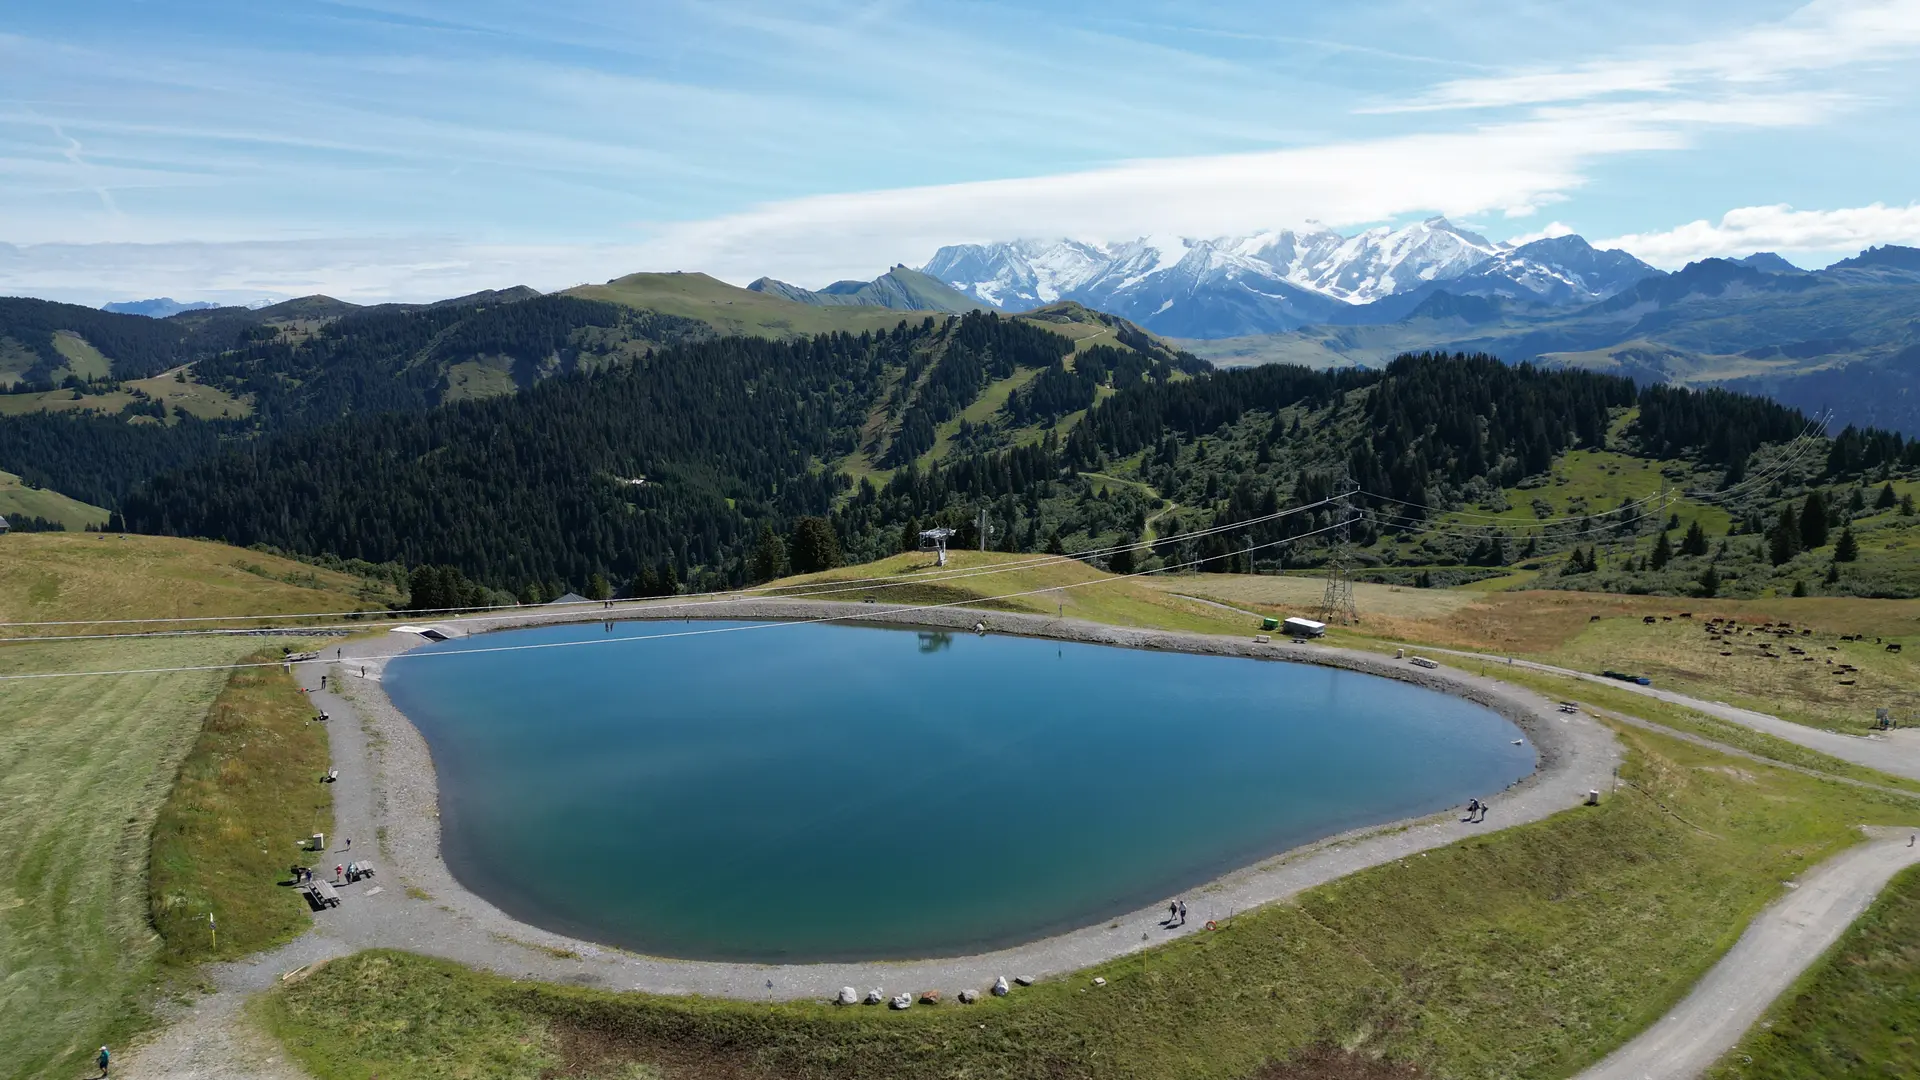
point(1269, 623)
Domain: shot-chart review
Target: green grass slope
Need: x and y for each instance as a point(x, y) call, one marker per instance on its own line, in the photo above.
point(733, 310)
point(90, 761)
point(19, 500)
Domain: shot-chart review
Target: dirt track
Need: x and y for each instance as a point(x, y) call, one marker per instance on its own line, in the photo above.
point(1783, 941)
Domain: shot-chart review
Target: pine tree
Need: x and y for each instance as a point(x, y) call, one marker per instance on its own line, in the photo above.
point(1783, 543)
point(1813, 521)
point(1856, 501)
point(1906, 505)
point(1121, 561)
point(814, 547)
point(1846, 549)
point(1695, 542)
point(769, 555)
point(1710, 581)
point(1887, 499)
point(598, 588)
point(1662, 553)
point(1799, 587)
point(1833, 574)
point(1576, 564)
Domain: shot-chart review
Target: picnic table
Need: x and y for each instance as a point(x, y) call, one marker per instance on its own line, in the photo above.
point(321, 894)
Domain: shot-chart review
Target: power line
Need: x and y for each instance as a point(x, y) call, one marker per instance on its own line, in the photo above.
point(886, 613)
point(698, 600)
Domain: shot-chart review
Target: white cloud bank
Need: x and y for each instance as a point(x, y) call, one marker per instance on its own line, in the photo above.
point(1654, 100)
point(1776, 228)
point(1824, 35)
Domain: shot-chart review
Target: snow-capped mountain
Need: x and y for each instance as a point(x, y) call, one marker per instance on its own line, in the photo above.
point(1280, 279)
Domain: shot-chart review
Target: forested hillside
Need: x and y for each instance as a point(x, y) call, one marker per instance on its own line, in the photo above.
point(675, 466)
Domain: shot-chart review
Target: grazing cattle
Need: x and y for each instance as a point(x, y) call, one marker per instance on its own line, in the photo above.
point(1893, 646)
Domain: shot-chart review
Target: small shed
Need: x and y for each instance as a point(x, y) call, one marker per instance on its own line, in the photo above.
point(1300, 627)
point(3, 526)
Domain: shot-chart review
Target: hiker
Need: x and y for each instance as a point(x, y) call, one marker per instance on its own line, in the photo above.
point(1183, 913)
point(337, 653)
point(339, 872)
point(348, 844)
point(1173, 911)
point(1483, 813)
point(1473, 807)
point(102, 1060)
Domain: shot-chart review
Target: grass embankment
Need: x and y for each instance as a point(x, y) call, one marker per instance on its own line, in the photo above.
point(1531, 951)
point(1057, 587)
point(1854, 1013)
point(66, 576)
point(248, 788)
point(19, 500)
point(86, 764)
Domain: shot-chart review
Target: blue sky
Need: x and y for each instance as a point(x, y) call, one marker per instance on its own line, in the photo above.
point(408, 150)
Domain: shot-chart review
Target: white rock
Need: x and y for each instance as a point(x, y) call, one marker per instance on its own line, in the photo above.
point(1023, 980)
point(1098, 981)
point(875, 997)
point(848, 996)
point(902, 1001)
point(1000, 987)
point(968, 997)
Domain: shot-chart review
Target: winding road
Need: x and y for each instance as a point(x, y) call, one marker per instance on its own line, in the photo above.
point(1780, 943)
point(1897, 753)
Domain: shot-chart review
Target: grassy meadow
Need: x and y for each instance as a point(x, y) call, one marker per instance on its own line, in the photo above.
point(733, 310)
point(87, 765)
point(225, 837)
point(1527, 952)
point(89, 762)
point(1051, 588)
point(19, 500)
point(66, 576)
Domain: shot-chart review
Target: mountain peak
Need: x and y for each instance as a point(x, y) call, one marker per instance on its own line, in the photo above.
point(1277, 279)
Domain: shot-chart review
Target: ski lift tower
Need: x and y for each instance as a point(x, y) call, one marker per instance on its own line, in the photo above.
point(936, 540)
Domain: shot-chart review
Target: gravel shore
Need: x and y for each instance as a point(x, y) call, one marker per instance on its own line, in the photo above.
point(388, 790)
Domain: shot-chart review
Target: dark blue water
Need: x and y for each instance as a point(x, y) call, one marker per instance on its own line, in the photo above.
point(816, 792)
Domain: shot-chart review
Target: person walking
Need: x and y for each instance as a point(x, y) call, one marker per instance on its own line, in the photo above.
point(1173, 911)
point(1183, 913)
point(102, 1060)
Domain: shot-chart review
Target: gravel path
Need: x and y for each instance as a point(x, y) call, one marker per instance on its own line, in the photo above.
point(387, 788)
point(1898, 754)
point(1780, 944)
point(386, 803)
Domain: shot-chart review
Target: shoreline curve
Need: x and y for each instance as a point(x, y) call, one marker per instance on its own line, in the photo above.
point(392, 789)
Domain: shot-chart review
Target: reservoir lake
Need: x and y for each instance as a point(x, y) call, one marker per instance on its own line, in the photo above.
point(812, 792)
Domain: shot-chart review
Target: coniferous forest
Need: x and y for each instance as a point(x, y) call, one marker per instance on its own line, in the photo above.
point(641, 453)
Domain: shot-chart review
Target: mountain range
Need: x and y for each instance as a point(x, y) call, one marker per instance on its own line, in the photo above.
point(1282, 279)
point(157, 308)
point(1843, 338)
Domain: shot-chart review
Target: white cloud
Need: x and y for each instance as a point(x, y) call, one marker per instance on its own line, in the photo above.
point(1506, 167)
point(362, 270)
point(1823, 35)
point(1776, 228)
